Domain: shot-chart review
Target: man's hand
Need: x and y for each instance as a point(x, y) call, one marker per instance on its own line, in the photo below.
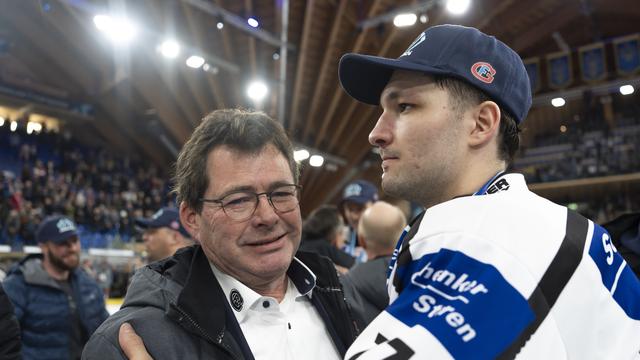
point(132, 344)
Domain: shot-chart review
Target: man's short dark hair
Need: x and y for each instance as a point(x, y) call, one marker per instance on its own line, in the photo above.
point(464, 96)
point(241, 130)
point(322, 223)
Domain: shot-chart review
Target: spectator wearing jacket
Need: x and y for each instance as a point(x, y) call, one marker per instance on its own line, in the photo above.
point(240, 293)
point(10, 333)
point(163, 234)
point(323, 234)
point(56, 303)
point(357, 196)
point(365, 284)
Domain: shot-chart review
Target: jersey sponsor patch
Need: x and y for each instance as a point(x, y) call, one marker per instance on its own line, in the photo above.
point(467, 304)
point(616, 276)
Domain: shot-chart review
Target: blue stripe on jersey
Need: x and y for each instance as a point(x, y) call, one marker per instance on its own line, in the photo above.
point(466, 304)
point(616, 276)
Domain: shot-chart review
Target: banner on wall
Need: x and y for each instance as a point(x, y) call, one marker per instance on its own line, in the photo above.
point(559, 70)
point(593, 65)
point(627, 53)
point(532, 65)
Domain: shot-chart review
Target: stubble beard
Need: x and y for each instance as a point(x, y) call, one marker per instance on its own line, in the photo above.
point(59, 262)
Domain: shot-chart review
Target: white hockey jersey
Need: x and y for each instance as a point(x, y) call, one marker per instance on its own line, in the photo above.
point(505, 275)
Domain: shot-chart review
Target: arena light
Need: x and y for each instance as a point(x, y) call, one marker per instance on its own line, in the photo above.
point(257, 91)
point(170, 49)
point(300, 155)
point(405, 19)
point(316, 160)
point(558, 102)
point(424, 18)
point(33, 127)
point(458, 7)
point(13, 126)
point(195, 61)
point(1, 121)
point(253, 22)
point(119, 30)
point(626, 89)
point(220, 25)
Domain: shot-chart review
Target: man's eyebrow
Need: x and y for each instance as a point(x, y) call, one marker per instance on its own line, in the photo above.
point(249, 188)
point(390, 95)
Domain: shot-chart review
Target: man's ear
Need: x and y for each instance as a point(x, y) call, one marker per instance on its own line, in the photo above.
point(486, 124)
point(190, 220)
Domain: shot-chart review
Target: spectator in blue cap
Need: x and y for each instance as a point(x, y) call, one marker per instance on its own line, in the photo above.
point(357, 196)
point(489, 270)
point(163, 234)
point(56, 303)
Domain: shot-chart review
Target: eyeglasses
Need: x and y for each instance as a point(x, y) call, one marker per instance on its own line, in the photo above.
point(241, 205)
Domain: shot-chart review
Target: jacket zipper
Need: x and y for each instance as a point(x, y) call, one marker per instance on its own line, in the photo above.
point(203, 332)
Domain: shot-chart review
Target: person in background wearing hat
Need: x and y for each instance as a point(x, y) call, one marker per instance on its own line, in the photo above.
point(56, 303)
point(489, 269)
point(163, 234)
point(356, 198)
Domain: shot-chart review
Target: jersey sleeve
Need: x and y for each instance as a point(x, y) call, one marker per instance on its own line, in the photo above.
point(450, 305)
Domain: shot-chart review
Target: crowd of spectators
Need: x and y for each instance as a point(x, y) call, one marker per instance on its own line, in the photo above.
point(575, 153)
point(48, 172)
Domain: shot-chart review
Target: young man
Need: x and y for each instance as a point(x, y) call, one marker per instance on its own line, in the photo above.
point(163, 234)
point(56, 303)
point(489, 270)
point(240, 293)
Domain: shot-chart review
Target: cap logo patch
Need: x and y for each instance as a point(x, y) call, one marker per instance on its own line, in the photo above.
point(236, 300)
point(65, 225)
point(413, 45)
point(353, 190)
point(157, 214)
point(483, 71)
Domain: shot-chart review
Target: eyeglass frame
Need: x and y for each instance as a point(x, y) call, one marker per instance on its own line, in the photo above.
point(268, 194)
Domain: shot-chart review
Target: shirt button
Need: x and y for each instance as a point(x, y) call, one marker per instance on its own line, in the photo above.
point(265, 304)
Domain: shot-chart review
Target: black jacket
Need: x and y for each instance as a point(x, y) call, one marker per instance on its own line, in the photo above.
point(365, 285)
point(324, 248)
point(179, 309)
point(9, 330)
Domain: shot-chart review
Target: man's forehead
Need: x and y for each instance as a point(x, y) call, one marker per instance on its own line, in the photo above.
point(403, 82)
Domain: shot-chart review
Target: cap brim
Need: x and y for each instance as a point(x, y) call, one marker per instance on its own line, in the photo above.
point(144, 223)
point(364, 77)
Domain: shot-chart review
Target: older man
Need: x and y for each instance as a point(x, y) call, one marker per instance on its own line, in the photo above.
point(241, 293)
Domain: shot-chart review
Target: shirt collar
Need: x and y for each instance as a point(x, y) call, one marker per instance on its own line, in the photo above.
point(241, 298)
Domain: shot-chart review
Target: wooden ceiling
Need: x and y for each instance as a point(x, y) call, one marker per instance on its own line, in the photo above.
point(144, 102)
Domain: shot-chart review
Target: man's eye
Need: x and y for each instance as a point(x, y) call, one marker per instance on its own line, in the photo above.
point(238, 201)
point(404, 107)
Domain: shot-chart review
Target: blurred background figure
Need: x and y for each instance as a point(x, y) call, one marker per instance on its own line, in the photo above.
point(56, 303)
point(379, 229)
point(163, 234)
point(356, 198)
point(323, 233)
point(10, 333)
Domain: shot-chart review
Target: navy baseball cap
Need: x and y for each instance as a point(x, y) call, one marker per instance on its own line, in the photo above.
point(165, 217)
point(360, 192)
point(56, 228)
point(450, 50)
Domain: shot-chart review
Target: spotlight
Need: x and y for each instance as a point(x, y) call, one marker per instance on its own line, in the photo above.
point(402, 20)
point(253, 22)
point(300, 155)
point(458, 7)
point(220, 25)
point(316, 160)
point(626, 89)
point(13, 126)
point(257, 91)
point(170, 49)
point(424, 18)
point(195, 61)
point(119, 30)
point(558, 102)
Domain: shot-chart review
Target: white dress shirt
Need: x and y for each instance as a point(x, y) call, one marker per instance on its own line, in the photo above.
point(292, 329)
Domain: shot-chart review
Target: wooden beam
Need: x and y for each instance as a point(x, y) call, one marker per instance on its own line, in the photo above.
point(543, 29)
point(338, 93)
point(248, 6)
point(302, 59)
